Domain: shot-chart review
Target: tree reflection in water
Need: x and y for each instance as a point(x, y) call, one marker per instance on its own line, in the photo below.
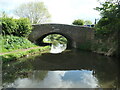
point(100, 71)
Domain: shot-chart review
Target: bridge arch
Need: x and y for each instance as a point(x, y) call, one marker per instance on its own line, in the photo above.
point(77, 36)
point(39, 41)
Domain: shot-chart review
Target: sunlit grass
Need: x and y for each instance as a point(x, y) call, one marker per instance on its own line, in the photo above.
point(11, 43)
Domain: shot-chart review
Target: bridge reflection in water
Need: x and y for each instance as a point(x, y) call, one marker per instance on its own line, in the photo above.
point(69, 69)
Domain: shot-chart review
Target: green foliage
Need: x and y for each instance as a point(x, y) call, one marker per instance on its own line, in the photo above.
point(55, 39)
point(78, 22)
point(104, 21)
point(107, 29)
point(101, 47)
point(8, 26)
point(87, 22)
point(24, 27)
point(16, 27)
point(104, 28)
point(17, 55)
point(82, 22)
point(10, 43)
point(108, 24)
point(108, 9)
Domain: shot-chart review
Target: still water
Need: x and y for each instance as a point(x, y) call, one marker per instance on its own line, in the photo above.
point(69, 69)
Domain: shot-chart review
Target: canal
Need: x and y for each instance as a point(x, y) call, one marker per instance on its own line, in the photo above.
point(67, 69)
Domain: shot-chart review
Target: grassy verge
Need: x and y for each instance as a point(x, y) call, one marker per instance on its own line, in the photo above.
point(10, 43)
point(14, 47)
point(17, 55)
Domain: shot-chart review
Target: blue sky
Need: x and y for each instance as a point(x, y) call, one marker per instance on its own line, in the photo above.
point(58, 79)
point(62, 11)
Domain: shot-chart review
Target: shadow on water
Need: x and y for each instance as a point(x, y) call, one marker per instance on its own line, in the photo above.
point(69, 69)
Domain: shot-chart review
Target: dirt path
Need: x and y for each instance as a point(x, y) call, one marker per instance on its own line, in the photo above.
point(19, 50)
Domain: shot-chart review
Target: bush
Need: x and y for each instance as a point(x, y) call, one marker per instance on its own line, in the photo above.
point(16, 27)
point(8, 26)
point(24, 27)
point(10, 43)
point(78, 22)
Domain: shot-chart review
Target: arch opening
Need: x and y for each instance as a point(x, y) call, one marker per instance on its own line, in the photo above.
point(56, 41)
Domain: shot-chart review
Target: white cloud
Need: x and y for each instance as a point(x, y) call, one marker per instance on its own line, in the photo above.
point(62, 11)
point(58, 79)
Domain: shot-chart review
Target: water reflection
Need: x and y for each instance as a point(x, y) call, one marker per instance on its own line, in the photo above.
point(80, 79)
point(68, 69)
point(58, 48)
point(58, 79)
point(59, 42)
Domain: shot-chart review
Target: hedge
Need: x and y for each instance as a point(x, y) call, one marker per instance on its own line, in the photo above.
point(17, 27)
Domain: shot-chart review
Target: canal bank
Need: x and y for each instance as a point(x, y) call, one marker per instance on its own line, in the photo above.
point(109, 46)
point(15, 55)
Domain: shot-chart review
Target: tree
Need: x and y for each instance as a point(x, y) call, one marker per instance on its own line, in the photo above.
point(107, 29)
point(3, 14)
point(110, 13)
point(110, 8)
point(88, 22)
point(82, 22)
point(78, 22)
point(35, 11)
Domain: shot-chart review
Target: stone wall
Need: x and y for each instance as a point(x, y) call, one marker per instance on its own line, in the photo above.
point(76, 35)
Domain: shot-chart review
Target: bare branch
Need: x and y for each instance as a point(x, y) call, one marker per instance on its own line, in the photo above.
point(35, 11)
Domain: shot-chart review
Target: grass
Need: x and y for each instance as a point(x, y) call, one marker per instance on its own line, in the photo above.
point(16, 55)
point(13, 48)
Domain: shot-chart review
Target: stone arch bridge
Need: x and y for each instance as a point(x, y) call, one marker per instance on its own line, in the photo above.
point(77, 36)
